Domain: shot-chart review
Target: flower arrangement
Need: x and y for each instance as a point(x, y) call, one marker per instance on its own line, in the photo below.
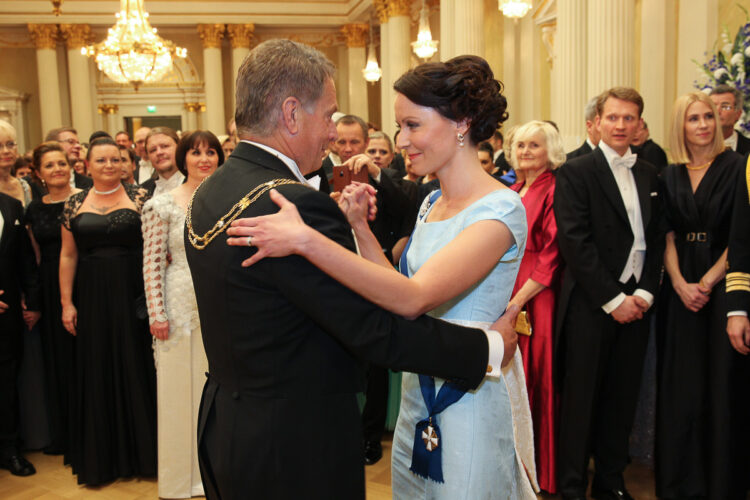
point(731, 66)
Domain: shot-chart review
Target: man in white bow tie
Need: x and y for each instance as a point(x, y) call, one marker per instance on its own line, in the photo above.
point(610, 233)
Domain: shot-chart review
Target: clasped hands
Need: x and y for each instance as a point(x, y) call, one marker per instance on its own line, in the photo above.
point(285, 233)
point(631, 309)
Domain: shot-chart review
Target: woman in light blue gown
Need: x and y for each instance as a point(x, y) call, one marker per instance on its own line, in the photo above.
point(460, 265)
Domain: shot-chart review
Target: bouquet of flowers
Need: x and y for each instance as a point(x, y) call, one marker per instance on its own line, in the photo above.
point(731, 66)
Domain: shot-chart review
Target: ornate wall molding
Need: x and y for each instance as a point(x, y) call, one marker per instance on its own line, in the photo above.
point(44, 36)
point(211, 35)
point(399, 8)
point(355, 34)
point(241, 35)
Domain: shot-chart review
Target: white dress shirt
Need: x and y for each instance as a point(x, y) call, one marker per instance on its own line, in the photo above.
point(145, 170)
point(164, 185)
point(2, 223)
point(494, 339)
point(621, 167)
point(731, 141)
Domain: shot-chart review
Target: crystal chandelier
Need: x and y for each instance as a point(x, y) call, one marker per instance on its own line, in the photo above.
point(133, 52)
point(372, 71)
point(515, 9)
point(425, 47)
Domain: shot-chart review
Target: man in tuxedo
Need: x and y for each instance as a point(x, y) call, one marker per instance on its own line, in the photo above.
point(279, 418)
point(592, 133)
point(167, 177)
point(501, 163)
point(728, 101)
point(144, 170)
point(610, 233)
point(647, 149)
point(19, 286)
point(68, 139)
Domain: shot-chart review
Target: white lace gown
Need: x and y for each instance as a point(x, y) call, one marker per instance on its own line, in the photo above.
point(180, 360)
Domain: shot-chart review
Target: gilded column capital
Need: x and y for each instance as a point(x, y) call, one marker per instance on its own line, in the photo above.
point(107, 109)
point(381, 9)
point(76, 35)
point(399, 8)
point(355, 34)
point(211, 35)
point(44, 36)
point(240, 35)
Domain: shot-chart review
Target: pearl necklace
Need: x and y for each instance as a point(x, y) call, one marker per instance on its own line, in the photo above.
point(107, 192)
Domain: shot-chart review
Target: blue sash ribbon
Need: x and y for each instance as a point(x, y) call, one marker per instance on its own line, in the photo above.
point(427, 463)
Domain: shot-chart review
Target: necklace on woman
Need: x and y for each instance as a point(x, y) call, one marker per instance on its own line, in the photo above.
point(108, 192)
point(699, 167)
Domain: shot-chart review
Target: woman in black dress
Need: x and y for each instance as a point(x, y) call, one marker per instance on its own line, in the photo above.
point(693, 438)
point(114, 411)
point(43, 219)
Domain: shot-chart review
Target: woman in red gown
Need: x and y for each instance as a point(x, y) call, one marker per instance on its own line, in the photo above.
point(537, 150)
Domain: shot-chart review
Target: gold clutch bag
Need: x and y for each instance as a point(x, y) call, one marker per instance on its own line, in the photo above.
point(523, 327)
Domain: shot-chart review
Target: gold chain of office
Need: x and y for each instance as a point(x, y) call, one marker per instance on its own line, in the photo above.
point(200, 242)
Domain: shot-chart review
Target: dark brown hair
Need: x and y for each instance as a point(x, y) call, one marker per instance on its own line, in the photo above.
point(462, 88)
point(43, 149)
point(101, 141)
point(193, 140)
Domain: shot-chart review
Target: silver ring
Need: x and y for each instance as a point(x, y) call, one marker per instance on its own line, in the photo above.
point(249, 241)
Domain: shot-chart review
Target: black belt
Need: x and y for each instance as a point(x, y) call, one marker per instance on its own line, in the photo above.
point(700, 237)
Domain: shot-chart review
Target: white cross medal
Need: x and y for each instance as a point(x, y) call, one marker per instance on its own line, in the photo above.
point(430, 437)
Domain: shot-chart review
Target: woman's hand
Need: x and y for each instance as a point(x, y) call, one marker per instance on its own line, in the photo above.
point(276, 235)
point(693, 295)
point(358, 202)
point(70, 318)
point(360, 161)
point(160, 330)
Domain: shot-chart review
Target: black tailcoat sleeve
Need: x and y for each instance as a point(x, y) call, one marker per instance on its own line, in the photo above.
point(738, 265)
point(743, 144)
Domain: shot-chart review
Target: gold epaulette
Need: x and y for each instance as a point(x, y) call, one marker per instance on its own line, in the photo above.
point(738, 282)
point(200, 242)
point(747, 176)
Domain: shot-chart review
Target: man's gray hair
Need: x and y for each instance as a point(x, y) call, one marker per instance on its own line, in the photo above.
point(589, 112)
point(272, 72)
point(723, 88)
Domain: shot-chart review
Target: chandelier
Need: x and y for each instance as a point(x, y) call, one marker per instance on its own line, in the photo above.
point(132, 52)
point(425, 47)
point(515, 9)
point(372, 71)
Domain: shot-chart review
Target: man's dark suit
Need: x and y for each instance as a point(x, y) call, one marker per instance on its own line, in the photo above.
point(279, 417)
point(652, 153)
point(82, 181)
point(584, 149)
point(600, 360)
point(743, 144)
point(18, 275)
point(502, 164)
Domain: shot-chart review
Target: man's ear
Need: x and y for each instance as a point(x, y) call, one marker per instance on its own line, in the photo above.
point(290, 114)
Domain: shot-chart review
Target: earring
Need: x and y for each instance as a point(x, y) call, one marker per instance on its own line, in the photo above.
point(460, 138)
point(44, 183)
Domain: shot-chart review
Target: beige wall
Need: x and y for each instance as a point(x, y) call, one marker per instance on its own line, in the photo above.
point(20, 73)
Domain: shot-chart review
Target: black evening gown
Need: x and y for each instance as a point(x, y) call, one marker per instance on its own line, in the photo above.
point(693, 440)
point(114, 414)
point(57, 344)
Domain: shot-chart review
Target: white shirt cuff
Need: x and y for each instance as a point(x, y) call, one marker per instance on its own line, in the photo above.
point(496, 353)
point(736, 313)
point(647, 296)
point(614, 303)
point(377, 179)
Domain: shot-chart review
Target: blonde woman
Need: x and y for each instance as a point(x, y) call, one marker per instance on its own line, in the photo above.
point(694, 436)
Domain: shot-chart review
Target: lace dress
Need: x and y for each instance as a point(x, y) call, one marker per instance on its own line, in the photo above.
point(114, 407)
point(488, 448)
point(180, 360)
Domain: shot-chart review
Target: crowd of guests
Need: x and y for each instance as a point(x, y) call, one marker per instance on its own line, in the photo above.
point(92, 259)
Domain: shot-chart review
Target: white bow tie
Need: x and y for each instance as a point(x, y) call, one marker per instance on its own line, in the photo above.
point(626, 161)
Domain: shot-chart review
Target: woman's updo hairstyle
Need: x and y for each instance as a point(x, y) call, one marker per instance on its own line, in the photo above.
point(462, 88)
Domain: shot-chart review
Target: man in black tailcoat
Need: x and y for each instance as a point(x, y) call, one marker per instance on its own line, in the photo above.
point(728, 101)
point(19, 284)
point(610, 233)
point(279, 417)
point(592, 133)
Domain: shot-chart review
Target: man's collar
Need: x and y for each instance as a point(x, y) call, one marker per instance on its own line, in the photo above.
point(610, 154)
point(291, 164)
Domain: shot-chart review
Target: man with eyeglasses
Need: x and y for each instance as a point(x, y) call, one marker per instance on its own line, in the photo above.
point(68, 139)
point(728, 101)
